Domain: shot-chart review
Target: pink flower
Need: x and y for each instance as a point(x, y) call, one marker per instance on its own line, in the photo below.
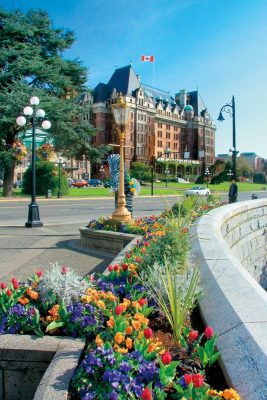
point(197, 380)
point(118, 310)
point(146, 394)
point(166, 358)
point(39, 273)
point(148, 333)
point(3, 285)
point(193, 335)
point(209, 332)
point(64, 270)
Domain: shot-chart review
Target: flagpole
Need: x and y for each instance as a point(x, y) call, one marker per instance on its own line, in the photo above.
point(153, 73)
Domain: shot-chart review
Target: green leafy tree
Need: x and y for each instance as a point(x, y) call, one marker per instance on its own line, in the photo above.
point(47, 178)
point(140, 171)
point(32, 63)
point(243, 168)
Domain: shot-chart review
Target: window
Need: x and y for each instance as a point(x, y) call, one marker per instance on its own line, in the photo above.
point(159, 143)
point(168, 135)
point(159, 125)
point(160, 134)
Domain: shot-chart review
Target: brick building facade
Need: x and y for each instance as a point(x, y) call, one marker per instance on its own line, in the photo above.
point(157, 121)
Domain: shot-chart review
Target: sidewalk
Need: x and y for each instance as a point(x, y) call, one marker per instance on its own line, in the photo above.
point(24, 250)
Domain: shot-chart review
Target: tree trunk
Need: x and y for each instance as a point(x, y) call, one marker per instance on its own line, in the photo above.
point(8, 179)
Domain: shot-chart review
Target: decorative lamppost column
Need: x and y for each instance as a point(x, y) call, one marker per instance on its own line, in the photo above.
point(35, 115)
point(120, 112)
point(207, 175)
point(60, 164)
point(102, 170)
point(230, 109)
point(153, 165)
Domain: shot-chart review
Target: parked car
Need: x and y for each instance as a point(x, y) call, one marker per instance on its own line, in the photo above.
point(18, 184)
point(95, 182)
point(79, 183)
point(197, 191)
point(70, 182)
point(108, 184)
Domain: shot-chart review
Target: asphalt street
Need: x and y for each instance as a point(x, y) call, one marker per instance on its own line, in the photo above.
point(24, 250)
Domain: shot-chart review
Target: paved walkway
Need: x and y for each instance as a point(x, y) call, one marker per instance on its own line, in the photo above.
point(25, 250)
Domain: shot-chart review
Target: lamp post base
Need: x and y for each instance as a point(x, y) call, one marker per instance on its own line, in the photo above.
point(122, 215)
point(33, 217)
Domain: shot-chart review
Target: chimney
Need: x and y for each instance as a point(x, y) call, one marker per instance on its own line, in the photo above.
point(182, 98)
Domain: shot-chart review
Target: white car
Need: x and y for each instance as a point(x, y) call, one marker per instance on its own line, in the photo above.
point(197, 191)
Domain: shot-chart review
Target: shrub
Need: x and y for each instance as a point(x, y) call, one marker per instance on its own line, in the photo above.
point(47, 178)
point(259, 177)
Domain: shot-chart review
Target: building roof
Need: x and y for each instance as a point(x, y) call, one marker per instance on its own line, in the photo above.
point(124, 80)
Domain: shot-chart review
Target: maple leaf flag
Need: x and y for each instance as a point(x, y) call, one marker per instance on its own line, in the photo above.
point(147, 58)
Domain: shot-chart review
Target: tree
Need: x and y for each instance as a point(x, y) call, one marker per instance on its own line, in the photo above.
point(32, 63)
point(140, 171)
point(243, 168)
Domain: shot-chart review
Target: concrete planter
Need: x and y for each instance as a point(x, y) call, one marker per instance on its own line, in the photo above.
point(26, 360)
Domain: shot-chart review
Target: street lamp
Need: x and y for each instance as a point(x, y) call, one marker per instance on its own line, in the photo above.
point(230, 174)
point(102, 170)
point(203, 115)
point(207, 175)
point(35, 116)
point(167, 171)
point(60, 164)
point(120, 112)
point(230, 108)
point(154, 160)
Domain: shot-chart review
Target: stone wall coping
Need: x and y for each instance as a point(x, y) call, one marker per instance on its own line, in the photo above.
point(107, 234)
point(233, 303)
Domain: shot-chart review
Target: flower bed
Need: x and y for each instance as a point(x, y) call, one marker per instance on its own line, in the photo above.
point(124, 357)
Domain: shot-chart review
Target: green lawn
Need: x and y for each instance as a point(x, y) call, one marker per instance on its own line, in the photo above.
point(159, 189)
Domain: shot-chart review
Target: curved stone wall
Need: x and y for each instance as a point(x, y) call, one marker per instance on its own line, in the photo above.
point(230, 246)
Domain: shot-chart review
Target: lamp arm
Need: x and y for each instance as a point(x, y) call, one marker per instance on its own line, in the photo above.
point(228, 108)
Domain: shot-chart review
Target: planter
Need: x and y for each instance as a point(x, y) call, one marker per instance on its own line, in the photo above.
point(26, 360)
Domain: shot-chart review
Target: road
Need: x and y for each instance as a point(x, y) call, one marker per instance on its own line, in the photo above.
point(80, 211)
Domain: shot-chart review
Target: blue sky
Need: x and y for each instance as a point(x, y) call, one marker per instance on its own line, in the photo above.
point(217, 46)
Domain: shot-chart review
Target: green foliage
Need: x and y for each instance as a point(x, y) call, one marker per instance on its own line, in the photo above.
point(47, 178)
point(140, 171)
point(259, 177)
point(32, 63)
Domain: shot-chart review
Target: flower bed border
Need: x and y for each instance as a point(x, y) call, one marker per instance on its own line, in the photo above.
point(233, 302)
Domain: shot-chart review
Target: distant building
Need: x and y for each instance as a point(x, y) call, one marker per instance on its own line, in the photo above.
point(157, 121)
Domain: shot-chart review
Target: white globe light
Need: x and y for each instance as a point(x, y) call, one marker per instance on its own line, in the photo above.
point(21, 121)
point(40, 113)
point(34, 101)
point(28, 111)
point(46, 124)
point(232, 149)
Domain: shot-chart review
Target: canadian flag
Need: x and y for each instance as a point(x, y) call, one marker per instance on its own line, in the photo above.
point(147, 58)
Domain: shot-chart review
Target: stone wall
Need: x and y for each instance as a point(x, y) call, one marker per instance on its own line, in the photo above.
point(233, 302)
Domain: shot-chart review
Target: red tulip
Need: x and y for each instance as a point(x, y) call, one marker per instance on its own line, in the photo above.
point(116, 267)
point(209, 332)
point(39, 273)
point(3, 285)
point(128, 255)
point(64, 269)
point(110, 268)
point(193, 335)
point(166, 358)
point(197, 380)
point(14, 280)
point(187, 379)
point(8, 292)
point(148, 333)
point(146, 394)
point(124, 267)
point(118, 310)
point(15, 285)
point(142, 302)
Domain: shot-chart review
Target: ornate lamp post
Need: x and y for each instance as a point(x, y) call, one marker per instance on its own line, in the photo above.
point(230, 109)
point(102, 170)
point(35, 115)
point(207, 175)
point(153, 161)
point(120, 112)
point(60, 164)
